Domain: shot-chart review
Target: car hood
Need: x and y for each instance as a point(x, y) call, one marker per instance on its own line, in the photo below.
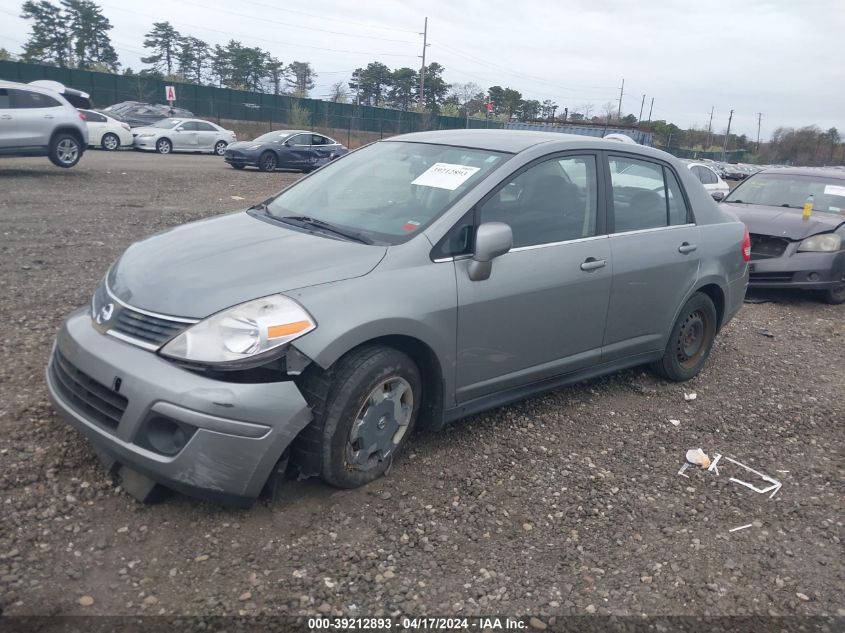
point(784, 222)
point(242, 145)
point(200, 268)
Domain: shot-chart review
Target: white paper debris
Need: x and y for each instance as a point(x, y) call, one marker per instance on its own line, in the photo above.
point(690, 396)
point(698, 457)
point(741, 527)
point(675, 422)
point(236, 197)
point(445, 176)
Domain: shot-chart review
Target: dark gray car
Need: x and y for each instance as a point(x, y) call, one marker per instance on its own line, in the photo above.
point(286, 149)
point(789, 250)
point(410, 283)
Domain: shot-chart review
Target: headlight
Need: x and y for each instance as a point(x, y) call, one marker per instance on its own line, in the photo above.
point(242, 332)
point(824, 243)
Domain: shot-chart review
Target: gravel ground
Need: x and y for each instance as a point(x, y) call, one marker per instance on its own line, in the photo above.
point(564, 504)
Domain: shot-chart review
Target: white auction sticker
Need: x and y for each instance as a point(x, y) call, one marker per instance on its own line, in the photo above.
point(834, 190)
point(445, 176)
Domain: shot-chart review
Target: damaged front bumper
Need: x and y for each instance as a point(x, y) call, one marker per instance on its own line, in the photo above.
point(799, 270)
point(203, 437)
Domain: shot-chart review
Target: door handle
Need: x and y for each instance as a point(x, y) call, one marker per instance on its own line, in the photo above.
point(591, 263)
point(686, 247)
point(7, 117)
point(48, 116)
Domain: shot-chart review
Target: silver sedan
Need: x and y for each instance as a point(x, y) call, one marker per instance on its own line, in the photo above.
point(183, 135)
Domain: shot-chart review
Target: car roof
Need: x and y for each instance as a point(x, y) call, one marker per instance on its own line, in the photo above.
point(14, 84)
point(515, 141)
point(807, 171)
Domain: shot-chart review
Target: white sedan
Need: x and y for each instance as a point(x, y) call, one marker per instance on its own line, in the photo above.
point(711, 181)
point(105, 131)
point(183, 135)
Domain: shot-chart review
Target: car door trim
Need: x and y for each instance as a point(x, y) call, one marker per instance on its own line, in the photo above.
point(655, 228)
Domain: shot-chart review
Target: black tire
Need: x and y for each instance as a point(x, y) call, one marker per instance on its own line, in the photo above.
point(267, 161)
point(236, 166)
point(164, 146)
point(342, 395)
point(110, 142)
point(65, 150)
point(691, 340)
point(220, 148)
point(834, 296)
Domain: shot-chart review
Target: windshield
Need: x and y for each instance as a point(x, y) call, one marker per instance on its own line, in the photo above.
point(790, 190)
point(387, 190)
point(272, 136)
point(167, 124)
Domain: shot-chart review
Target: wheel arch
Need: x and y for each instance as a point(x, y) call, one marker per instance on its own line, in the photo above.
point(69, 129)
point(717, 296)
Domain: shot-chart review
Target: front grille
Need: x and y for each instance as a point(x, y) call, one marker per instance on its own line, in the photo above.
point(767, 247)
point(90, 398)
point(144, 327)
point(770, 277)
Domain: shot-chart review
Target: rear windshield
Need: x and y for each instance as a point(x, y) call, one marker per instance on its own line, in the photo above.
point(791, 190)
point(388, 190)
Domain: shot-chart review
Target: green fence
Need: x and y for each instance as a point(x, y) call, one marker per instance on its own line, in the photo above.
point(225, 103)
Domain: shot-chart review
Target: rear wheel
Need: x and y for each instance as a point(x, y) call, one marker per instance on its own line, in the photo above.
point(834, 296)
point(364, 415)
point(110, 142)
point(267, 161)
point(690, 341)
point(220, 148)
point(65, 150)
point(164, 146)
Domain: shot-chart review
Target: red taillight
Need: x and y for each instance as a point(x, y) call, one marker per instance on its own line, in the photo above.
point(82, 116)
point(746, 246)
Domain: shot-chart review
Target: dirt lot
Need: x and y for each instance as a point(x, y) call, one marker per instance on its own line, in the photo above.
point(564, 504)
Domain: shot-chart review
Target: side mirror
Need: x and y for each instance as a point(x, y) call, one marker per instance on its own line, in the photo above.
point(179, 129)
point(492, 240)
point(287, 143)
point(718, 196)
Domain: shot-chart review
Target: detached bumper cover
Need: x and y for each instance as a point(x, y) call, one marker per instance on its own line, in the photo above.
point(109, 390)
point(810, 271)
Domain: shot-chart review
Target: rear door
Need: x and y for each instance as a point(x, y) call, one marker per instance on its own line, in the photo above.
point(542, 311)
point(654, 243)
point(96, 124)
point(206, 135)
point(35, 116)
point(7, 121)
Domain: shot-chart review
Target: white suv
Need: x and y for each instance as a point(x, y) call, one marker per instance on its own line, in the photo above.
point(36, 121)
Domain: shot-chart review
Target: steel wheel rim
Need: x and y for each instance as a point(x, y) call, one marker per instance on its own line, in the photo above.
point(380, 425)
point(220, 148)
point(110, 142)
point(691, 343)
point(67, 151)
point(163, 147)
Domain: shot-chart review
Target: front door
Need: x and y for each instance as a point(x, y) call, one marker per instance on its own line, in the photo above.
point(542, 311)
point(654, 243)
point(299, 152)
point(186, 136)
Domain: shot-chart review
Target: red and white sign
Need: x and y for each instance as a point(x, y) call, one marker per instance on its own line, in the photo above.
point(169, 93)
point(489, 106)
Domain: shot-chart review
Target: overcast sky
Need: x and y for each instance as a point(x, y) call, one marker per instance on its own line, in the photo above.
point(783, 58)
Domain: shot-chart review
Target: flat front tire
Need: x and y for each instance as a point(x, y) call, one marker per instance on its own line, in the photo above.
point(365, 408)
point(691, 340)
point(65, 150)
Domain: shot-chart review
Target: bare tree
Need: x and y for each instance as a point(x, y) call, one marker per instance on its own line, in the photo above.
point(338, 92)
point(587, 110)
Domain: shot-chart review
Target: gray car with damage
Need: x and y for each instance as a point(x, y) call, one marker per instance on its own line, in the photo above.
point(407, 284)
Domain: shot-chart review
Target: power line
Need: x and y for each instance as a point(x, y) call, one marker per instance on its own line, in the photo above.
point(325, 17)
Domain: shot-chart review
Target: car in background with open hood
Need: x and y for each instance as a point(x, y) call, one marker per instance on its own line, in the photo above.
point(788, 250)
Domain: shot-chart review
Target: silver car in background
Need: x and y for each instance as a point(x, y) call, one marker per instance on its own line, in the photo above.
point(183, 135)
point(38, 121)
point(413, 282)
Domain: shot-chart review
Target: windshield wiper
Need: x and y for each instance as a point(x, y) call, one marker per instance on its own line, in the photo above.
point(790, 206)
point(322, 225)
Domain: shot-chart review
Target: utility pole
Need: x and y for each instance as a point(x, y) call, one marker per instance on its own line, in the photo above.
point(710, 128)
point(640, 118)
point(422, 70)
point(727, 134)
point(621, 92)
point(650, 111)
point(759, 121)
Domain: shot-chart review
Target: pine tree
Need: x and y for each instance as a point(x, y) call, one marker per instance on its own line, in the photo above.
point(163, 40)
point(89, 33)
point(49, 41)
point(301, 79)
point(276, 73)
point(193, 57)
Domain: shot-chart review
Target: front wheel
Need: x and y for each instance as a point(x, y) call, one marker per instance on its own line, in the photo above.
point(834, 296)
point(365, 415)
point(690, 341)
point(267, 161)
point(220, 148)
point(110, 142)
point(65, 150)
point(164, 146)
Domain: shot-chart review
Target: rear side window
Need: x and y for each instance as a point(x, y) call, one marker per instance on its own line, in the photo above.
point(27, 99)
point(4, 99)
point(646, 195)
point(301, 139)
point(205, 127)
point(93, 117)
